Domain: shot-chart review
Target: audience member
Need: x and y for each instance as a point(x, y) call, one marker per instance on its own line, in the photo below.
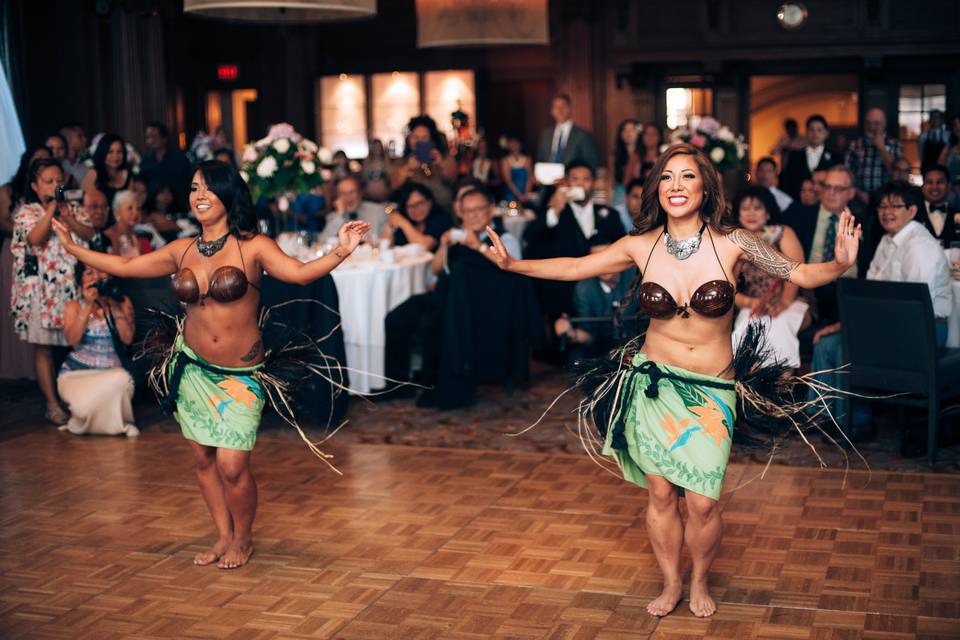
point(418, 219)
point(349, 205)
point(426, 161)
point(933, 139)
point(937, 215)
point(632, 205)
point(127, 214)
point(814, 156)
point(165, 163)
point(92, 381)
point(907, 253)
point(761, 297)
point(111, 171)
point(516, 170)
point(483, 167)
point(376, 174)
point(626, 159)
point(809, 194)
point(900, 171)
point(651, 137)
point(97, 214)
point(767, 176)
point(565, 142)
point(602, 318)
point(871, 157)
point(74, 163)
point(43, 274)
point(421, 316)
point(950, 158)
point(790, 141)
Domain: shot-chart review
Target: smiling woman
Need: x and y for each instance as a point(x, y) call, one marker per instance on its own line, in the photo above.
point(214, 375)
point(666, 410)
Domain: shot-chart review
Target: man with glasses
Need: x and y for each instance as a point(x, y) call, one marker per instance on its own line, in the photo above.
point(95, 214)
point(908, 252)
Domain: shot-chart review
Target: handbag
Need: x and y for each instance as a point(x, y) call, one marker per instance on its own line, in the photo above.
point(122, 350)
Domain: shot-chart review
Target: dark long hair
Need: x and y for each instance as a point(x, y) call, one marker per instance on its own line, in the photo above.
point(622, 155)
point(423, 120)
point(225, 181)
point(641, 148)
point(761, 195)
point(19, 184)
point(409, 189)
point(714, 210)
point(36, 167)
point(100, 160)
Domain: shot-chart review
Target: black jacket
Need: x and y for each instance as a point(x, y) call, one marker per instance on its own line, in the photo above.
point(796, 170)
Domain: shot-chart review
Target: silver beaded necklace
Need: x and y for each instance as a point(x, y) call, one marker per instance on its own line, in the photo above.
point(682, 249)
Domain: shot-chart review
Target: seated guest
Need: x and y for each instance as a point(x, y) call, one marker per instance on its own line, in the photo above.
point(600, 297)
point(571, 225)
point(122, 234)
point(907, 253)
point(516, 170)
point(418, 218)
point(761, 297)
point(900, 170)
point(160, 213)
point(632, 205)
point(809, 195)
point(937, 215)
point(92, 381)
point(96, 213)
point(349, 205)
point(801, 164)
point(421, 316)
point(767, 176)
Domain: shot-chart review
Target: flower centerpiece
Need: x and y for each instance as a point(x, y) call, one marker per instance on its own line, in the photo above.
point(282, 163)
point(205, 146)
point(726, 150)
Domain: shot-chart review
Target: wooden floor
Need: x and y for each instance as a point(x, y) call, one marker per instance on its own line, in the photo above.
point(97, 536)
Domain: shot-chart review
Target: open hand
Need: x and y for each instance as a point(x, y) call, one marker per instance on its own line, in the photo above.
point(351, 234)
point(848, 240)
point(63, 234)
point(498, 253)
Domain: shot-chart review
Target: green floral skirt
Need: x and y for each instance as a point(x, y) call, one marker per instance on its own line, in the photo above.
point(673, 423)
point(215, 406)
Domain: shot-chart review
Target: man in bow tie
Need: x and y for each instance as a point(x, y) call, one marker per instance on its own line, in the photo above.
point(940, 218)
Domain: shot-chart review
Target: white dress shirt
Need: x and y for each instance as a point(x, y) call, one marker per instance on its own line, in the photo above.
point(582, 213)
point(561, 132)
point(813, 156)
point(914, 255)
point(783, 200)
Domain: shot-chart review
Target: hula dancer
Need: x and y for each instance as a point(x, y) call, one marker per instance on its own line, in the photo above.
point(667, 415)
point(214, 376)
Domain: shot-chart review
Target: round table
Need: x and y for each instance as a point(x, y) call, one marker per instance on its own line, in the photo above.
point(369, 289)
point(515, 225)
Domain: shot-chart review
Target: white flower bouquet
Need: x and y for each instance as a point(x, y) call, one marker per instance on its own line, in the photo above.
point(282, 162)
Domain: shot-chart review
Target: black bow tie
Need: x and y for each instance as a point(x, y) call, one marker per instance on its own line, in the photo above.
point(936, 208)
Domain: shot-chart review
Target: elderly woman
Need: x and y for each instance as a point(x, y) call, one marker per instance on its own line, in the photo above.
point(92, 380)
point(126, 210)
point(419, 219)
point(43, 273)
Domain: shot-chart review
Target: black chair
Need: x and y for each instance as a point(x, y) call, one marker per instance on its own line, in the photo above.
point(889, 341)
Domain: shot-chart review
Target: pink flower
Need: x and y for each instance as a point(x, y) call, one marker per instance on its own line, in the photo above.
point(282, 130)
point(708, 125)
point(698, 140)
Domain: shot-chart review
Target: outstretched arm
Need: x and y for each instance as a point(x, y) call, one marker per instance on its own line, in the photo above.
point(808, 276)
point(286, 269)
point(161, 262)
point(613, 259)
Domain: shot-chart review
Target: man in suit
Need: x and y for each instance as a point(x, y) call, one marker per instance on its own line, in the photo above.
point(565, 142)
point(937, 215)
point(802, 163)
point(350, 206)
point(571, 225)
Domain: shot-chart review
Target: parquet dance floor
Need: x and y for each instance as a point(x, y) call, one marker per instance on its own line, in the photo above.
point(97, 537)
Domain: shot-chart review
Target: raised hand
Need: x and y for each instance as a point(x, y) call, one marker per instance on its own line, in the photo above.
point(501, 257)
point(63, 234)
point(847, 243)
point(351, 234)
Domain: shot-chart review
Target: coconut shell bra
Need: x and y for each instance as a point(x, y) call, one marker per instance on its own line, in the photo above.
point(226, 284)
point(711, 299)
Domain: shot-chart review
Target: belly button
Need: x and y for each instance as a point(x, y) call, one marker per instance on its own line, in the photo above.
point(216, 339)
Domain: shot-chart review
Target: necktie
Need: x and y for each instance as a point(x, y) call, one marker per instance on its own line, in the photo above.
point(561, 144)
point(830, 238)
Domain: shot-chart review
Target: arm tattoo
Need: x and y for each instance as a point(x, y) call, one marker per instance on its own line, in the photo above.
point(762, 254)
point(254, 351)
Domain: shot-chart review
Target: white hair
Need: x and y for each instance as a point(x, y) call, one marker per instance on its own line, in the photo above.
point(123, 198)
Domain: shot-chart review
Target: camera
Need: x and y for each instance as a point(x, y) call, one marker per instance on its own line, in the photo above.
point(457, 235)
point(109, 288)
point(60, 195)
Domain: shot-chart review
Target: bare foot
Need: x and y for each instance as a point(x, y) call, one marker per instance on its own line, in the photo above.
point(667, 601)
point(701, 604)
point(237, 554)
point(215, 553)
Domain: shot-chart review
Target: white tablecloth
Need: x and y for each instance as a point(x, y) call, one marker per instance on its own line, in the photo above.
point(368, 290)
point(514, 225)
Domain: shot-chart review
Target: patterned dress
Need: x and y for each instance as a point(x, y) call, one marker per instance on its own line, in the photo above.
point(43, 281)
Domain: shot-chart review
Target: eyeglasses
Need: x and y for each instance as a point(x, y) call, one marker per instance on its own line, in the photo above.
point(891, 206)
point(836, 188)
point(417, 204)
point(473, 210)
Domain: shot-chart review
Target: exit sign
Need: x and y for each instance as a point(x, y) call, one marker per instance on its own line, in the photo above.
point(227, 72)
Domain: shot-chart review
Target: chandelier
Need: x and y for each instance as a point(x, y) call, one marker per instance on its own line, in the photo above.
point(282, 10)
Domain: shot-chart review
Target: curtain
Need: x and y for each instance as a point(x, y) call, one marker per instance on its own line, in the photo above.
point(12, 145)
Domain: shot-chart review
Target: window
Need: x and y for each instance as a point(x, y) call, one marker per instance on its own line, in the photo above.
point(916, 101)
point(342, 107)
point(396, 99)
point(682, 103)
